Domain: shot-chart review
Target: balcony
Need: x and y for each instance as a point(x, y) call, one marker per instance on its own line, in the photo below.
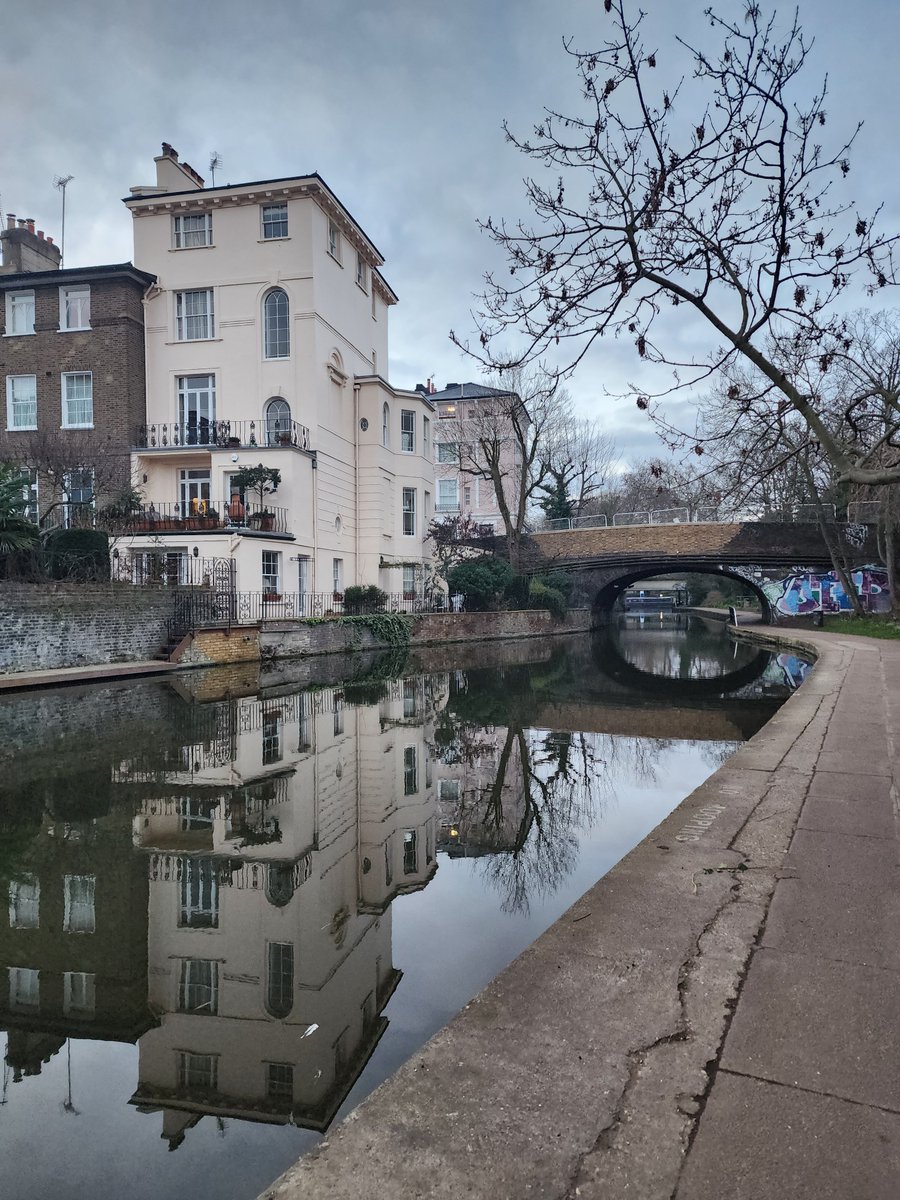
point(194, 516)
point(221, 435)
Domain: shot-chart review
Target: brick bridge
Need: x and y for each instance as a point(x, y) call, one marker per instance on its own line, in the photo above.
point(607, 561)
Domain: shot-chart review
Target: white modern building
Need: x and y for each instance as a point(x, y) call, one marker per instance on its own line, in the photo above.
point(266, 336)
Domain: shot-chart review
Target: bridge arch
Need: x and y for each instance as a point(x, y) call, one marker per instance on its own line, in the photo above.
point(605, 585)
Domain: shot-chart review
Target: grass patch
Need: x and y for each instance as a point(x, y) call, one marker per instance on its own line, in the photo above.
point(877, 626)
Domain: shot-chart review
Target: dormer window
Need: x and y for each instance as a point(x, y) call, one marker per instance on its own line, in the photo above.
point(192, 230)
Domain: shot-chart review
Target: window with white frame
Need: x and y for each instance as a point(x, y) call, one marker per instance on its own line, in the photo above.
point(274, 221)
point(385, 426)
point(410, 851)
point(198, 990)
point(447, 495)
point(199, 908)
point(409, 511)
point(334, 241)
point(79, 915)
point(280, 978)
point(448, 791)
point(79, 994)
point(271, 571)
point(337, 575)
point(374, 304)
point(196, 408)
point(276, 325)
point(280, 1081)
point(192, 230)
point(362, 272)
point(407, 430)
point(409, 698)
point(198, 1072)
point(426, 434)
point(447, 452)
point(78, 400)
point(74, 308)
point(278, 422)
point(337, 713)
point(194, 318)
point(21, 402)
point(78, 486)
point(304, 574)
point(410, 770)
point(25, 903)
point(19, 313)
point(271, 737)
point(409, 580)
point(24, 989)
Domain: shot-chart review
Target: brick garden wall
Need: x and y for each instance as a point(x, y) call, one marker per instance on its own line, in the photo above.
point(69, 625)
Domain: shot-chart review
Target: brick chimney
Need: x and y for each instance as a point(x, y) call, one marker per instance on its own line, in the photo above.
point(24, 249)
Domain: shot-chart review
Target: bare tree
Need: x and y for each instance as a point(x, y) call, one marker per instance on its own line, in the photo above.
point(578, 457)
point(503, 439)
point(714, 193)
point(56, 455)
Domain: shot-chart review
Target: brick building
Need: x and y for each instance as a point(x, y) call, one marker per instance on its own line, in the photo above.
point(72, 362)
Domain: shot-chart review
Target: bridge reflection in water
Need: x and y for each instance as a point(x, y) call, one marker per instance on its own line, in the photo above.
point(206, 868)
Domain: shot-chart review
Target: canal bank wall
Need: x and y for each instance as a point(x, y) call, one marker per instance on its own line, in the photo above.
point(715, 1017)
point(287, 639)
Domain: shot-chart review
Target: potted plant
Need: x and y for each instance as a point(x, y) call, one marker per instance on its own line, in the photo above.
point(262, 481)
point(126, 508)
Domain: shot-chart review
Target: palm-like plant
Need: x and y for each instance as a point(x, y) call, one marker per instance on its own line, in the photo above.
point(16, 531)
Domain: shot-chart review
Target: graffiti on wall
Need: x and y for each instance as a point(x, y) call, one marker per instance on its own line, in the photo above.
point(821, 591)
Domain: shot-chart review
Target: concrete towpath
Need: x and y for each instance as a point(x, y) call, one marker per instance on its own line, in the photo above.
point(20, 681)
point(716, 1017)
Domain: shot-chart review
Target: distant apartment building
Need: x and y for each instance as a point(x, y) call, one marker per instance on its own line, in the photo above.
point(467, 414)
point(266, 340)
point(72, 360)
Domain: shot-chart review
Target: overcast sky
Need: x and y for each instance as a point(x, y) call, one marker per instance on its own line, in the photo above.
point(398, 104)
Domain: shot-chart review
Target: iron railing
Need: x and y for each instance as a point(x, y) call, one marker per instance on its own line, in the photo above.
point(174, 435)
point(861, 511)
point(195, 515)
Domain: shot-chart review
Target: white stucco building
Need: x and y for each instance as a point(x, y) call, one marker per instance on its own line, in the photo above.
point(265, 336)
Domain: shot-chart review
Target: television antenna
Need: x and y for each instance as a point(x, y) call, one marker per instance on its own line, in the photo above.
point(215, 164)
point(61, 182)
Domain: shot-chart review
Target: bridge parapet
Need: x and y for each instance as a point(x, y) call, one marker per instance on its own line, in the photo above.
point(744, 543)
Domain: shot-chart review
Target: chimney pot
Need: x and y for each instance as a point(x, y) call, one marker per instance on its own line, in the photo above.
point(40, 234)
point(10, 220)
point(49, 241)
point(21, 223)
point(29, 224)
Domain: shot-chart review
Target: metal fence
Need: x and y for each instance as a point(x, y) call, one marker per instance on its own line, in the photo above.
point(861, 511)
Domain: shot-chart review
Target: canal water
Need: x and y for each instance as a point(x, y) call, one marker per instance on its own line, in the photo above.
point(238, 901)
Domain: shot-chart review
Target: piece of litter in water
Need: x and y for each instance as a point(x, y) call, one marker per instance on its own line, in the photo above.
point(309, 1029)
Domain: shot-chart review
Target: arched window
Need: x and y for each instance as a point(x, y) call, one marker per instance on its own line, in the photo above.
point(385, 426)
point(278, 422)
point(280, 979)
point(276, 325)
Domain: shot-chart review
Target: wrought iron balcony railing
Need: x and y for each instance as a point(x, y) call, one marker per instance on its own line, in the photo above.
point(232, 515)
point(177, 435)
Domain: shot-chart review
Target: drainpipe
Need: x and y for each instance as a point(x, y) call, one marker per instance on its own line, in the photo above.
point(356, 482)
point(314, 465)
